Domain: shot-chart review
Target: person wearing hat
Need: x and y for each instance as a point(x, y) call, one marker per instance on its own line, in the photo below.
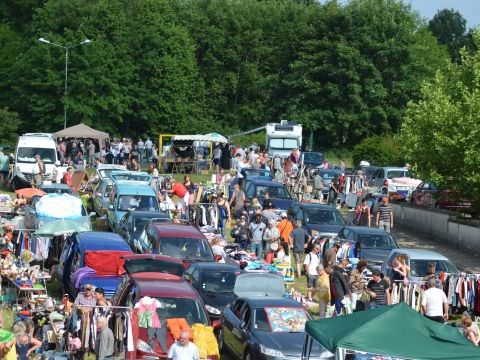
point(24, 343)
point(86, 298)
point(384, 217)
point(285, 227)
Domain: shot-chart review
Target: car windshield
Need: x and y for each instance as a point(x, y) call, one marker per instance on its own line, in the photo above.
point(369, 171)
point(131, 177)
point(280, 319)
point(186, 248)
point(283, 144)
point(256, 172)
point(377, 241)
point(276, 192)
point(104, 173)
point(397, 174)
point(323, 217)
point(419, 268)
point(27, 155)
point(174, 308)
point(137, 202)
point(223, 281)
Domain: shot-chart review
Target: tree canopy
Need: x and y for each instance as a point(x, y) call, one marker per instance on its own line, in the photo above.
point(345, 72)
point(441, 131)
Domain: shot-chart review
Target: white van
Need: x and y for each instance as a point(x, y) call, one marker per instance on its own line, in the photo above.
point(31, 144)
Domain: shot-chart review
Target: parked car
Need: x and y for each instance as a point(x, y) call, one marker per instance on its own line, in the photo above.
point(368, 171)
point(126, 196)
point(319, 219)
point(279, 194)
point(214, 282)
point(429, 195)
point(177, 298)
point(251, 173)
point(256, 325)
point(101, 196)
point(133, 224)
point(148, 263)
point(134, 176)
point(387, 179)
point(181, 241)
point(370, 243)
point(86, 248)
point(56, 188)
point(418, 261)
point(327, 177)
point(104, 170)
point(312, 159)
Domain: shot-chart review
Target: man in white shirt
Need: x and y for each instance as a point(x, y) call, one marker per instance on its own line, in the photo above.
point(434, 303)
point(148, 149)
point(310, 264)
point(183, 349)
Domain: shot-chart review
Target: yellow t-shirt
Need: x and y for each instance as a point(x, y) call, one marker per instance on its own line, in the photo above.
point(322, 289)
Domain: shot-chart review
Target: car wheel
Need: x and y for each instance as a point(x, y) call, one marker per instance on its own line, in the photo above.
point(248, 356)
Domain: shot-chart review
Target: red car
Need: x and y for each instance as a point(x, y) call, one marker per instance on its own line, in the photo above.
point(176, 297)
point(181, 241)
point(429, 195)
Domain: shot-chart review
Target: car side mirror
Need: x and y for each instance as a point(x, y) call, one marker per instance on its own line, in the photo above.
point(110, 207)
point(216, 324)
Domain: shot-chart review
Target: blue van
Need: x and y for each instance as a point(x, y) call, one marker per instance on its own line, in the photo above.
point(126, 196)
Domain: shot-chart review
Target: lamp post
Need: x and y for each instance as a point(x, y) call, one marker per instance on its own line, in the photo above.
point(66, 48)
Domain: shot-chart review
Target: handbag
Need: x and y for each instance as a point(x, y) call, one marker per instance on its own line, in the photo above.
point(364, 297)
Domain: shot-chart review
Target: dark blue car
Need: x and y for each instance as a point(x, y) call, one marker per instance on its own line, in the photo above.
point(279, 194)
point(319, 219)
point(74, 254)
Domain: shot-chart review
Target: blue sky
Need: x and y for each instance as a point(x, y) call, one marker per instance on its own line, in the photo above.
point(470, 9)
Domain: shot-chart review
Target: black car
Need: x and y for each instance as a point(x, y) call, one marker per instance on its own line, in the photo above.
point(133, 223)
point(371, 244)
point(261, 323)
point(319, 219)
point(215, 283)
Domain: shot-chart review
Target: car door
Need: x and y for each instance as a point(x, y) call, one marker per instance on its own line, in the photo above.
point(231, 325)
point(97, 199)
point(122, 226)
point(240, 333)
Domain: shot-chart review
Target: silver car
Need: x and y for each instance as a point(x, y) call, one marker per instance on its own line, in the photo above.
point(418, 260)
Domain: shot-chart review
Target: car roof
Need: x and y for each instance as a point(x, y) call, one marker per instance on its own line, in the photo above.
point(153, 257)
point(366, 230)
point(148, 214)
point(260, 181)
point(214, 266)
point(126, 187)
point(111, 167)
point(421, 254)
point(162, 285)
point(101, 240)
point(268, 302)
point(177, 230)
point(315, 206)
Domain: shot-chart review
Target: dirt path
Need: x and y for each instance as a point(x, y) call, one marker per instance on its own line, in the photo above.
point(463, 260)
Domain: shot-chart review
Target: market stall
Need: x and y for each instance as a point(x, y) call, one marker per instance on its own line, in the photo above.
point(82, 131)
point(392, 331)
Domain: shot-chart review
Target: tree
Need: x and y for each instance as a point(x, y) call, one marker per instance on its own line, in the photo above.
point(9, 129)
point(379, 151)
point(441, 131)
point(449, 27)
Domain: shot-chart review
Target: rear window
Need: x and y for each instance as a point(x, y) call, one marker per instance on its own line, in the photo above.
point(137, 202)
point(419, 268)
point(377, 241)
point(223, 281)
point(186, 248)
point(134, 266)
point(323, 217)
point(276, 192)
point(188, 309)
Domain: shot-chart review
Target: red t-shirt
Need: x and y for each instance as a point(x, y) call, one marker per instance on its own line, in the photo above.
point(179, 189)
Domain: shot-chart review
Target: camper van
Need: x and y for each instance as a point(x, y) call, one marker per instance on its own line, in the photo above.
point(28, 146)
point(282, 138)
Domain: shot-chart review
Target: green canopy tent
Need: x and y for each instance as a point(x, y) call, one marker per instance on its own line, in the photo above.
point(395, 330)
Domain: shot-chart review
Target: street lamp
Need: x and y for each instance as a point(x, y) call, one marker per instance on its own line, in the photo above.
point(66, 48)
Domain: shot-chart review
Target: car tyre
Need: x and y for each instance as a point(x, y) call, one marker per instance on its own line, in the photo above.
point(221, 345)
point(248, 355)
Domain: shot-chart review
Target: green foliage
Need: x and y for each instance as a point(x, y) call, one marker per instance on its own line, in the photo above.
point(9, 129)
point(379, 151)
point(345, 72)
point(441, 132)
point(449, 27)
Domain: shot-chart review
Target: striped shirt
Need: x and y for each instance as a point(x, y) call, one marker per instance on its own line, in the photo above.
point(385, 212)
point(379, 289)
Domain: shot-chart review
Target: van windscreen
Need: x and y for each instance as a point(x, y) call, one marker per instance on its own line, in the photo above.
point(27, 155)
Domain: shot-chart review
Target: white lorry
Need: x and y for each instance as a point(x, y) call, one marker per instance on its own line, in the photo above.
point(282, 138)
point(28, 146)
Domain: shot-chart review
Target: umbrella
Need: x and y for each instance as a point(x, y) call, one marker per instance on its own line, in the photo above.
point(61, 227)
point(28, 193)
